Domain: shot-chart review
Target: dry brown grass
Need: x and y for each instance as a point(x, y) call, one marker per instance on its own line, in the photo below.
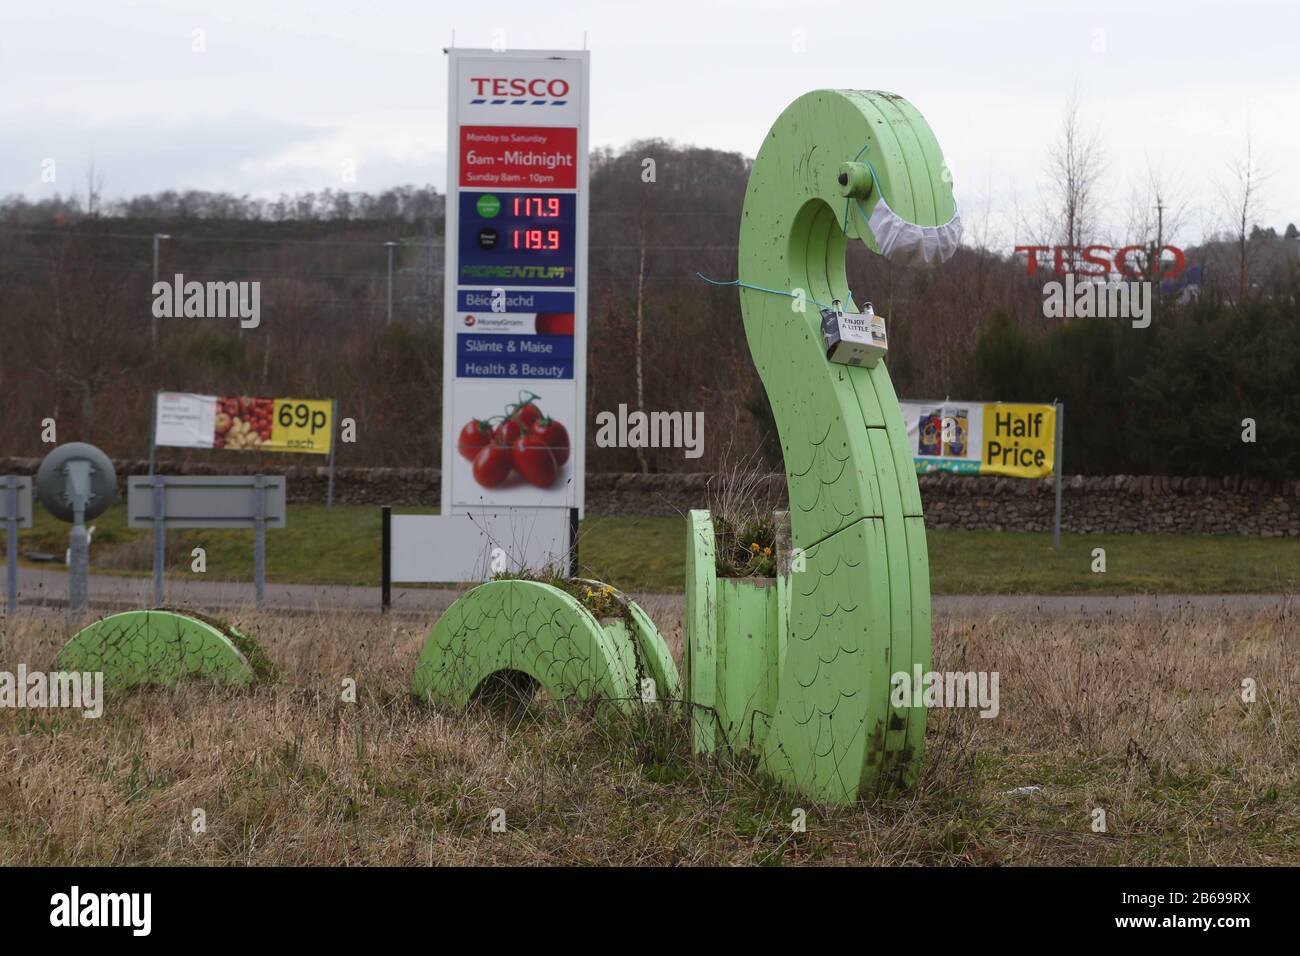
point(1142, 717)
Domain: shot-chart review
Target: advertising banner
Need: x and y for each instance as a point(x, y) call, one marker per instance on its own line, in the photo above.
point(244, 423)
point(515, 331)
point(978, 438)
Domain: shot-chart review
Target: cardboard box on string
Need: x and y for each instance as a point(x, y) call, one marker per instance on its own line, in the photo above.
point(854, 338)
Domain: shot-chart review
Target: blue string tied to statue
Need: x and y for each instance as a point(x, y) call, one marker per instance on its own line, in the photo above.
point(759, 288)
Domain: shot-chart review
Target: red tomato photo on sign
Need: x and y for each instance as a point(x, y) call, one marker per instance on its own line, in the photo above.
point(534, 461)
point(554, 436)
point(473, 437)
point(555, 323)
point(513, 445)
point(526, 415)
point(507, 431)
point(492, 465)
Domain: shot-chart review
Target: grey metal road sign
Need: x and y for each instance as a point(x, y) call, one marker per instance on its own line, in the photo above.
point(15, 513)
point(207, 501)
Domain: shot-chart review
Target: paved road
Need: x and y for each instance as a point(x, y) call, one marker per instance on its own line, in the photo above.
point(41, 587)
point(49, 588)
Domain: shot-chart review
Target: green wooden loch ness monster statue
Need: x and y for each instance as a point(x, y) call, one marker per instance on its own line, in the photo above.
point(806, 686)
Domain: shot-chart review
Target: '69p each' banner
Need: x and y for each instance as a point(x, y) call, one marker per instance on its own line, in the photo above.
point(244, 423)
point(979, 438)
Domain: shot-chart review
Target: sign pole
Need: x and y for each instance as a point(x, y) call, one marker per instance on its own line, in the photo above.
point(159, 538)
point(1060, 445)
point(153, 427)
point(573, 542)
point(11, 547)
point(386, 562)
point(259, 539)
point(78, 586)
point(334, 440)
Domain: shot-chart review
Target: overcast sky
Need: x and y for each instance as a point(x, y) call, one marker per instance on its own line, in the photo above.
point(286, 92)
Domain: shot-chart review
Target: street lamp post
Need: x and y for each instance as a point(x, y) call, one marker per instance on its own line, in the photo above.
point(154, 325)
point(391, 246)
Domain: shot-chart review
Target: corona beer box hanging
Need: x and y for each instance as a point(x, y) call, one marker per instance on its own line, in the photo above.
point(975, 438)
point(854, 338)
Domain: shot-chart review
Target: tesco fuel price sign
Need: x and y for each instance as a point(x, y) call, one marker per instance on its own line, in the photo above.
point(515, 329)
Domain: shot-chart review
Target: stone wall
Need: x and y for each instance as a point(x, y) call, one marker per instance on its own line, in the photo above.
point(1115, 504)
point(1112, 504)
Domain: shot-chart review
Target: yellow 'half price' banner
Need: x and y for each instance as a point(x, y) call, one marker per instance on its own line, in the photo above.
point(978, 438)
point(1019, 440)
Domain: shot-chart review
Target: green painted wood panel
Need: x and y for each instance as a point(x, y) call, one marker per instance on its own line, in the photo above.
point(700, 630)
point(161, 647)
point(860, 610)
point(530, 627)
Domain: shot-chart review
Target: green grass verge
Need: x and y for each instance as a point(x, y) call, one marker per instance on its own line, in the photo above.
point(649, 554)
point(341, 546)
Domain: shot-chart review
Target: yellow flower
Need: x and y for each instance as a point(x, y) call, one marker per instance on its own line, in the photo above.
point(767, 550)
point(754, 546)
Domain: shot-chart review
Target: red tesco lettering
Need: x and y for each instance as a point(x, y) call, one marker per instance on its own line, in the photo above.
point(535, 87)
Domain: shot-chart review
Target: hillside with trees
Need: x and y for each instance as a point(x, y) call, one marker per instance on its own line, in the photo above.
point(76, 339)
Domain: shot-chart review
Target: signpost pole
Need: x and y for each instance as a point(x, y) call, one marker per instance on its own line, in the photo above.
point(334, 440)
point(153, 433)
point(159, 538)
point(573, 542)
point(1056, 466)
point(78, 559)
point(386, 584)
point(259, 539)
point(11, 547)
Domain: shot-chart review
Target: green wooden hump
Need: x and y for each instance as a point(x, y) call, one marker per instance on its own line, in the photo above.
point(162, 647)
point(861, 608)
point(539, 630)
point(653, 658)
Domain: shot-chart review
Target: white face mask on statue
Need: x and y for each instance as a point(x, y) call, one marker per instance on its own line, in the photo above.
point(907, 243)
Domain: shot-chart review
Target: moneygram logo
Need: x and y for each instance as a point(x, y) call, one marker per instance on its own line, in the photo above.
point(519, 91)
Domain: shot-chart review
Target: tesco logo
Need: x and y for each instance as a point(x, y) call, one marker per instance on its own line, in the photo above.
point(518, 90)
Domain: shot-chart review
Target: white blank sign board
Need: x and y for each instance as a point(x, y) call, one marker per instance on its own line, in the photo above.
point(473, 547)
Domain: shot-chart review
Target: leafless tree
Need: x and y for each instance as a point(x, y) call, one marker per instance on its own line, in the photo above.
point(1242, 200)
point(1157, 214)
point(1075, 166)
point(640, 324)
point(94, 189)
